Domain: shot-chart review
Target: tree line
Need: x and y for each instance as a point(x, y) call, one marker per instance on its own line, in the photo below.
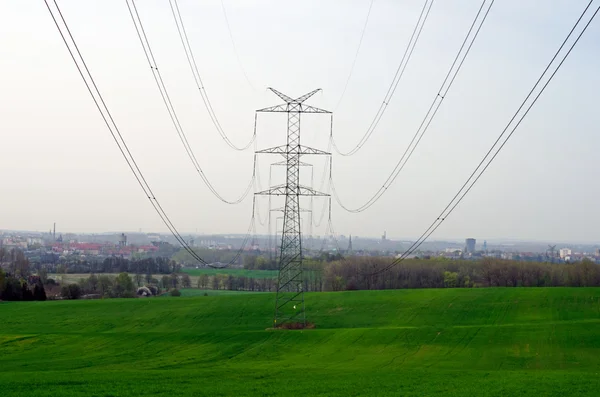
point(118, 264)
point(21, 289)
point(102, 286)
point(363, 273)
point(358, 273)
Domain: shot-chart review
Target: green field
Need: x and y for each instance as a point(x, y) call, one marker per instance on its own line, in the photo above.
point(456, 342)
point(72, 278)
point(233, 272)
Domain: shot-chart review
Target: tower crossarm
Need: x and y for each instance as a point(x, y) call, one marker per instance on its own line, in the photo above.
point(282, 209)
point(304, 97)
point(282, 190)
point(292, 108)
point(286, 98)
point(299, 149)
point(301, 164)
point(293, 105)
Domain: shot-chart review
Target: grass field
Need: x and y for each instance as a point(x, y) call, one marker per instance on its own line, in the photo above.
point(456, 342)
point(233, 272)
point(72, 278)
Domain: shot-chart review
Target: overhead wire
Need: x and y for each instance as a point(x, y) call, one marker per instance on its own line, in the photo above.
point(329, 232)
point(326, 167)
point(257, 188)
point(328, 191)
point(414, 38)
point(112, 126)
point(237, 55)
point(362, 35)
point(334, 236)
point(251, 227)
point(141, 33)
point(453, 71)
point(191, 59)
point(495, 148)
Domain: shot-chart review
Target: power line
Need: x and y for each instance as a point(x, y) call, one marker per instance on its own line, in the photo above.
point(483, 166)
point(453, 71)
point(362, 35)
point(113, 129)
point(251, 227)
point(328, 191)
point(414, 38)
point(141, 33)
point(237, 55)
point(198, 79)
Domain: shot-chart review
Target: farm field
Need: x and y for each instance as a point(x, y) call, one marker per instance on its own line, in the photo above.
point(233, 272)
point(483, 342)
point(72, 278)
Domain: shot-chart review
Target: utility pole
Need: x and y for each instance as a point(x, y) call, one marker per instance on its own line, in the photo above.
point(289, 303)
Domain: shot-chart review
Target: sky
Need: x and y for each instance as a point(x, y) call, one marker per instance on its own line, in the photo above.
point(60, 164)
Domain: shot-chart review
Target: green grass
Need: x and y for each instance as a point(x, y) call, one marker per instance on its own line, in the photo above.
point(478, 342)
point(233, 272)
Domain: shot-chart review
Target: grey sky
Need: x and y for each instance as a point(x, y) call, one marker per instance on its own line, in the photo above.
point(60, 164)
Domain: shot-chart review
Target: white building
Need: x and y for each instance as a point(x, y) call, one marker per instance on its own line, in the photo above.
point(565, 252)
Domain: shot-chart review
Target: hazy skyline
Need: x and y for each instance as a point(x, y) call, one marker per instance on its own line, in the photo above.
point(60, 164)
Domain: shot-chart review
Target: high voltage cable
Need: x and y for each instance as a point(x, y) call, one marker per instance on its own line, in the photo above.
point(257, 188)
point(326, 167)
point(198, 79)
point(362, 35)
point(323, 211)
point(251, 227)
point(334, 236)
point(414, 38)
point(260, 221)
point(483, 166)
point(317, 224)
point(329, 231)
point(113, 129)
point(237, 55)
point(429, 116)
point(141, 33)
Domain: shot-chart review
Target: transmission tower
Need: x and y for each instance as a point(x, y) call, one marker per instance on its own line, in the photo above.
point(289, 303)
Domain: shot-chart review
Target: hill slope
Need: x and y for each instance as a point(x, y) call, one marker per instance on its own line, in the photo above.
point(412, 342)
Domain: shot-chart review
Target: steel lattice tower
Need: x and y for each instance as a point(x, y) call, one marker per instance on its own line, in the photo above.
point(289, 303)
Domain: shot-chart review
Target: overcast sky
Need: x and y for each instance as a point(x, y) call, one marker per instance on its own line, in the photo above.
point(59, 163)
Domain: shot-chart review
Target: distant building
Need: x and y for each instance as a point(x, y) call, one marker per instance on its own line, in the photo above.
point(470, 245)
point(565, 252)
point(122, 240)
point(484, 245)
point(452, 250)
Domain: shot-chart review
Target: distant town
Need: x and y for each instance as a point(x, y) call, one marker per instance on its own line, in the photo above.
point(53, 247)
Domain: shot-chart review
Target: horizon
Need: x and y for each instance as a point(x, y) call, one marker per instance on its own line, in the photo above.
point(441, 239)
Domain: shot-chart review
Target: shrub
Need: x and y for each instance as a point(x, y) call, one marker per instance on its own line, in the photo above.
point(123, 287)
point(39, 293)
point(71, 291)
point(175, 292)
